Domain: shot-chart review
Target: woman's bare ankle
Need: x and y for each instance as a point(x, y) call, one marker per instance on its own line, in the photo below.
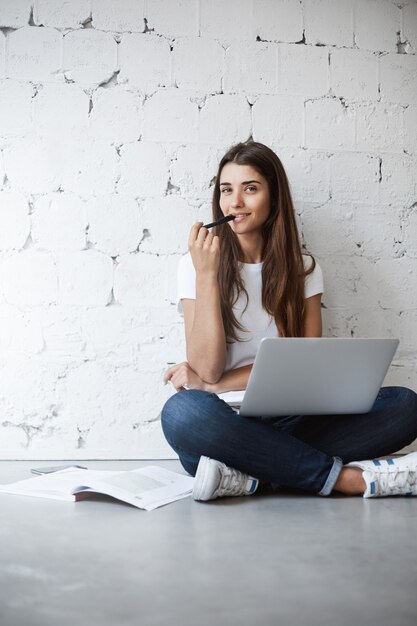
point(350, 482)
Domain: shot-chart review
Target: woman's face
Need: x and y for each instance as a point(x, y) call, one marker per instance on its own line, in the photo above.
point(244, 193)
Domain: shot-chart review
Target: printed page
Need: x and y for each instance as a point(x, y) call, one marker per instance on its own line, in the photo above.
point(146, 487)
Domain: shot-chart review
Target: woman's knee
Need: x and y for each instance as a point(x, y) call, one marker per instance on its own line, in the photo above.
point(408, 400)
point(182, 409)
point(407, 412)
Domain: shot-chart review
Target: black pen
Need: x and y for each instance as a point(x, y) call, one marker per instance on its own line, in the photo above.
point(223, 220)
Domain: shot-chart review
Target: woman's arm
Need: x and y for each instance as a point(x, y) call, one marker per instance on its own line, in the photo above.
point(312, 322)
point(233, 380)
point(204, 330)
point(183, 375)
point(237, 379)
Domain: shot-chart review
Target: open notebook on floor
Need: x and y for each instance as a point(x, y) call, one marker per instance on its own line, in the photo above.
point(314, 376)
point(145, 488)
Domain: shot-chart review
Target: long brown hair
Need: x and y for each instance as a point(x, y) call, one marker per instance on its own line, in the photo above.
point(283, 271)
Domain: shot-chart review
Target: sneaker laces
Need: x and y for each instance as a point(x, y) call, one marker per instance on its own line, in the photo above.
point(396, 481)
point(232, 481)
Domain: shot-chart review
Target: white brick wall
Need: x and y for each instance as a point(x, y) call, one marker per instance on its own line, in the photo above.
point(113, 116)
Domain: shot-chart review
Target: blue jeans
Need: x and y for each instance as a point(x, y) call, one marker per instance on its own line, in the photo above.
point(297, 452)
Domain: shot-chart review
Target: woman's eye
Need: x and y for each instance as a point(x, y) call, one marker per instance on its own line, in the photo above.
point(251, 187)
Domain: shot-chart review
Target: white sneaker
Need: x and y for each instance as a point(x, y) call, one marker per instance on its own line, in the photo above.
point(215, 480)
point(389, 477)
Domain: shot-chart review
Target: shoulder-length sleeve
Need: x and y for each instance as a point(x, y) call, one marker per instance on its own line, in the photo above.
point(185, 280)
point(314, 282)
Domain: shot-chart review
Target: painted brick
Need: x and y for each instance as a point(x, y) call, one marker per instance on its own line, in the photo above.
point(279, 120)
point(89, 166)
point(329, 125)
point(32, 412)
point(34, 166)
point(90, 386)
point(123, 16)
point(225, 119)
point(127, 392)
point(61, 110)
point(2, 172)
point(29, 278)
point(20, 332)
point(59, 222)
point(354, 74)
point(354, 177)
point(308, 173)
point(350, 281)
point(393, 283)
point(409, 25)
point(193, 169)
point(143, 280)
point(409, 227)
point(402, 374)
point(15, 13)
point(143, 169)
point(177, 18)
point(227, 20)
point(111, 332)
point(338, 284)
point(251, 68)
point(399, 78)
point(116, 115)
point(15, 109)
point(410, 129)
point(204, 73)
point(377, 231)
point(144, 61)
point(407, 334)
point(62, 14)
point(398, 180)
point(168, 221)
point(328, 228)
point(90, 57)
point(379, 127)
point(105, 167)
point(85, 278)
point(34, 54)
point(328, 22)
point(303, 70)
point(358, 323)
point(115, 225)
point(170, 116)
point(14, 221)
point(278, 21)
point(122, 333)
point(62, 332)
point(376, 25)
point(2, 56)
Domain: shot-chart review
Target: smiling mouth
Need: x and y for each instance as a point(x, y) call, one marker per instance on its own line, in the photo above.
point(240, 216)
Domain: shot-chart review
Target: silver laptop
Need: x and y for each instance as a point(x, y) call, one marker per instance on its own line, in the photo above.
point(316, 376)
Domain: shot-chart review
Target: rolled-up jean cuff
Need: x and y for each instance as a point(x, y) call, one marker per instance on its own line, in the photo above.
point(332, 477)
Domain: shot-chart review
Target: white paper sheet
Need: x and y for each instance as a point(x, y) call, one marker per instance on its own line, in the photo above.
point(146, 487)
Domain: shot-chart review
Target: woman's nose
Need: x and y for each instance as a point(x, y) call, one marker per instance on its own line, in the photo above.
point(236, 199)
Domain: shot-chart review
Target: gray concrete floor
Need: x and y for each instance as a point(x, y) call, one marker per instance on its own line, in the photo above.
point(262, 560)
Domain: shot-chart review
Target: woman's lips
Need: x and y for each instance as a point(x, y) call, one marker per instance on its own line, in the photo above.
point(239, 217)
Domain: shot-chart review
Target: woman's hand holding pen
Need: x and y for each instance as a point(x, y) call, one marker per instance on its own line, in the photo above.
point(182, 376)
point(204, 248)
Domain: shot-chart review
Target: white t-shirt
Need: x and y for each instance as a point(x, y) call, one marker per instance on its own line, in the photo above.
point(257, 322)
